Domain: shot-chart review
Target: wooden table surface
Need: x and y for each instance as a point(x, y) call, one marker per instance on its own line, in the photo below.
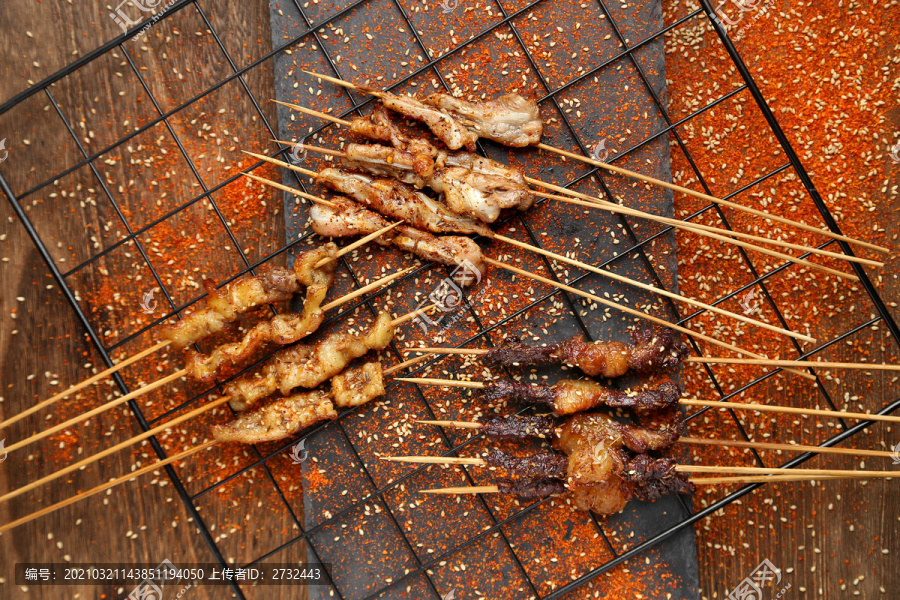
point(832, 540)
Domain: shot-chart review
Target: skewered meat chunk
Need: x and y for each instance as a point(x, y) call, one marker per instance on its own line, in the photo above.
point(543, 464)
point(518, 427)
point(471, 185)
point(380, 127)
point(593, 444)
point(308, 365)
point(651, 350)
point(357, 386)
point(447, 129)
point(654, 478)
point(396, 199)
point(280, 419)
point(531, 489)
point(223, 306)
point(350, 219)
point(282, 329)
point(511, 119)
point(568, 396)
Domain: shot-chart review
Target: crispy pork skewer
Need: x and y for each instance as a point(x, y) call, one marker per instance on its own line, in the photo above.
point(631, 174)
point(510, 353)
point(184, 372)
point(422, 150)
point(228, 289)
point(637, 313)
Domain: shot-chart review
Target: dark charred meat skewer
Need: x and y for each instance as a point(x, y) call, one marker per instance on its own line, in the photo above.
point(567, 397)
point(651, 350)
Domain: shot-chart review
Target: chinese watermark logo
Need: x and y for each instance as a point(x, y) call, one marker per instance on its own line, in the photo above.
point(447, 296)
point(3, 452)
point(148, 303)
point(743, 6)
point(298, 152)
point(299, 452)
point(895, 153)
point(151, 589)
point(451, 595)
point(748, 304)
point(751, 588)
point(124, 21)
point(449, 5)
point(599, 151)
point(3, 151)
point(895, 453)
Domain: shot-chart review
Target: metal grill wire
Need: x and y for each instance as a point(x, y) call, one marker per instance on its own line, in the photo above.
point(432, 67)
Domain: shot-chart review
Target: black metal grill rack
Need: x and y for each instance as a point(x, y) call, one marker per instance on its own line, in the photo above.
point(309, 30)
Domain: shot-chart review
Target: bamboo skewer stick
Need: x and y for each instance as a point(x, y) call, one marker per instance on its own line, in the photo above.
point(637, 313)
point(105, 486)
point(697, 228)
point(713, 199)
point(654, 181)
point(479, 462)
point(183, 372)
point(786, 477)
point(704, 230)
point(160, 345)
point(711, 360)
point(104, 453)
point(611, 275)
point(787, 447)
point(147, 434)
point(715, 236)
point(79, 386)
point(838, 414)
point(654, 289)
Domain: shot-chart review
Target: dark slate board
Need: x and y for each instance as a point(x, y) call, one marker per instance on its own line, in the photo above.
point(613, 105)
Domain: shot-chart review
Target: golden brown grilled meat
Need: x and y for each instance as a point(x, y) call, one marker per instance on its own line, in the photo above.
point(282, 329)
point(357, 386)
point(472, 185)
point(651, 350)
point(278, 420)
point(447, 129)
point(396, 199)
point(511, 119)
point(288, 415)
point(224, 305)
point(380, 127)
point(308, 365)
point(568, 397)
point(350, 219)
point(593, 444)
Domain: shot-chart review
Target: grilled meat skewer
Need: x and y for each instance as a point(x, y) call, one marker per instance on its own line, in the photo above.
point(471, 185)
point(349, 219)
point(282, 329)
point(308, 365)
point(651, 350)
point(396, 199)
point(288, 415)
point(567, 397)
